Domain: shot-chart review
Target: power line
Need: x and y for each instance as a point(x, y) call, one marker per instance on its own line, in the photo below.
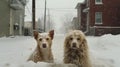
point(29, 10)
point(59, 8)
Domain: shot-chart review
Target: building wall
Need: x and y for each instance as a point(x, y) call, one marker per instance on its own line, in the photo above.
point(4, 17)
point(78, 15)
point(110, 17)
point(110, 11)
point(19, 18)
point(9, 17)
point(83, 18)
point(101, 31)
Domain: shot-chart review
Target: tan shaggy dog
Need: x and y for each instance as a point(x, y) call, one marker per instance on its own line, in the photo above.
point(43, 51)
point(76, 49)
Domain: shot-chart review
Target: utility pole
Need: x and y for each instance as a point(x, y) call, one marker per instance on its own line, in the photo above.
point(45, 17)
point(33, 15)
point(49, 21)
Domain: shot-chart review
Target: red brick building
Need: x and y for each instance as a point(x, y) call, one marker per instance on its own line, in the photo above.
point(98, 17)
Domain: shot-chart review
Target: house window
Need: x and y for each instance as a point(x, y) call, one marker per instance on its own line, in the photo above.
point(98, 1)
point(16, 26)
point(98, 17)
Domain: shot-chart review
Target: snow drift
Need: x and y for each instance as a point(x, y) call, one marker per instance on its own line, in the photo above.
point(104, 51)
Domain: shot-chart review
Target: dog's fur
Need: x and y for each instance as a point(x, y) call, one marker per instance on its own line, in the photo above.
point(43, 51)
point(76, 49)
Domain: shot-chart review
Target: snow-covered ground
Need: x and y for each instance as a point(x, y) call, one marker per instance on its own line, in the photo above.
point(104, 51)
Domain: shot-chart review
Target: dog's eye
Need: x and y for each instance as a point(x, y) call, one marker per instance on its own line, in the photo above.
point(78, 38)
point(40, 39)
point(71, 38)
point(47, 38)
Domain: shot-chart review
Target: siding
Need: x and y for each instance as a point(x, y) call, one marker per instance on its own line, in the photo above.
point(5, 11)
point(4, 18)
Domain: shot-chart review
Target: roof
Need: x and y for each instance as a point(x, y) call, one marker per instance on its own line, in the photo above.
point(79, 4)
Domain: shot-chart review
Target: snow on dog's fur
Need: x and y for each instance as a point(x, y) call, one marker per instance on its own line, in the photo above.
point(43, 52)
point(76, 49)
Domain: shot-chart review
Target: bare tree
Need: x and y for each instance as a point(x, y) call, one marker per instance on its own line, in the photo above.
point(67, 22)
point(49, 24)
point(40, 24)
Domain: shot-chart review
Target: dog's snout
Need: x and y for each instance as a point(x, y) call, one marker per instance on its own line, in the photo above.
point(44, 45)
point(74, 45)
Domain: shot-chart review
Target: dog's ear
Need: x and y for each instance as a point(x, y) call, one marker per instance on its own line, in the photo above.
point(84, 43)
point(51, 34)
point(66, 42)
point(35, 35)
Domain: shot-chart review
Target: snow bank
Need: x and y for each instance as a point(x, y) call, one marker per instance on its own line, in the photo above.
point(39, 64)
point(105, 50)
point(14, 51)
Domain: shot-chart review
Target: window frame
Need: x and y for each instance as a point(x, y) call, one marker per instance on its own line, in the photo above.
point(98, 2)
point(96, 17)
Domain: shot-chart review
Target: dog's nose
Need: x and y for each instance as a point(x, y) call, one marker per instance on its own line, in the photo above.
point(74, 45)
point(44, 45)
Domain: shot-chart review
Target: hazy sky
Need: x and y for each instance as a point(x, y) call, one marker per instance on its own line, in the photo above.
point(57, 9)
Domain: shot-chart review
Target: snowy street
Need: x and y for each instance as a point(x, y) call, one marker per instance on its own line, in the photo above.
point(104, 51)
